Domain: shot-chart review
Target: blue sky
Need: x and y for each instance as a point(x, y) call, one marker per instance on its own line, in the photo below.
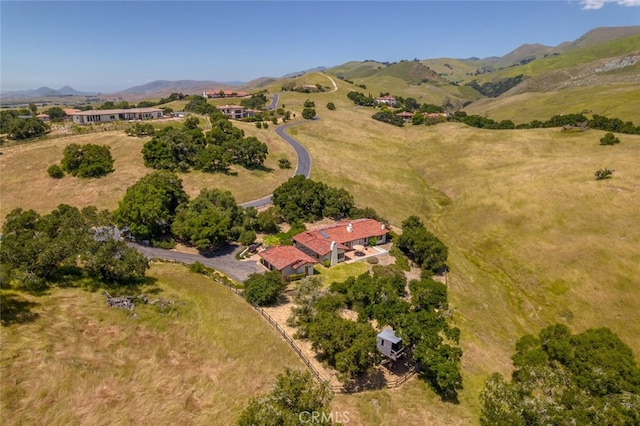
point(108, 46)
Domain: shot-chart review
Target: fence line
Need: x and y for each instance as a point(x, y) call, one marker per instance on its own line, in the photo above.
point(348, 388)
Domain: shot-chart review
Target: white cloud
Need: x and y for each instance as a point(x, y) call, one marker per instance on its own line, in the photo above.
point(597, 4)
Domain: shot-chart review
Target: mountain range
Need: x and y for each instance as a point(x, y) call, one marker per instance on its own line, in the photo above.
point(543, 68)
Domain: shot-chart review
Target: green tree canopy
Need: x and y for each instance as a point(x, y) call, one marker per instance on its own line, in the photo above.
point(87, 160)
point(307, 200)
point(561, 378)
point(149, 205)
point(295, 397)
point(23, 128)
point(308, 113)
point(207, 220)
point(36, 249)
point(422, 246)
point(264, 289)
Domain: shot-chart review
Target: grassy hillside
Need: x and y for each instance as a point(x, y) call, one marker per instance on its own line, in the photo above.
point(573, 58)
point(76, 361)
point(620, 100)
point(533, 238)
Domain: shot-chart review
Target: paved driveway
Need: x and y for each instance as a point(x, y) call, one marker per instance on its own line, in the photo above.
point(223, 260)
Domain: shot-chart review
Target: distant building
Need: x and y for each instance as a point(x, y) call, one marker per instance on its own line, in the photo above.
point(405, 115)
point(224, 94)
point(387, 100)
point(108, 115)
point(43, 117)
point(236, 112)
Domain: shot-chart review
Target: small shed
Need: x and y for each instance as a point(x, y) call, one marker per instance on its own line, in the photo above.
point(389, 344)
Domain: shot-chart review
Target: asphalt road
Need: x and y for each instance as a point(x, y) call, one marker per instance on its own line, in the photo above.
point(223, 260)
point(303, 166)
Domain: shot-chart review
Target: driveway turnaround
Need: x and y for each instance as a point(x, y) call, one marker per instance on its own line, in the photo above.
point(223, 260)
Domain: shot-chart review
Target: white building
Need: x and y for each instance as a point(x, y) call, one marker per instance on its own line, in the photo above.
point(107, 115)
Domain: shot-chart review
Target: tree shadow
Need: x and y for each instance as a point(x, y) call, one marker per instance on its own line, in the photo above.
point(14, 309)
point(374, 379)
point(143, 285)
point(259, 167)
point(225, 250)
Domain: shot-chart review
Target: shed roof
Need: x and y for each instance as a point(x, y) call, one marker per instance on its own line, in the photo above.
point(389, 335)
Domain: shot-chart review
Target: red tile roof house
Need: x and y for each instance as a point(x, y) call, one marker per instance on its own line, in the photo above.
point(331, 243)
point(288, 260)
point(406, 116)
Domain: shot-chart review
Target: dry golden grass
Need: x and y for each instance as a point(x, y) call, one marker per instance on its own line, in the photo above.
point(534, 239)
point(80, 362)
point(25, 183)
point(615, 100)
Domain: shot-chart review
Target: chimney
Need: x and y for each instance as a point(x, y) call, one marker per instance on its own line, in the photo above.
point(383, 226)
point(350, 227)
point(334, 253)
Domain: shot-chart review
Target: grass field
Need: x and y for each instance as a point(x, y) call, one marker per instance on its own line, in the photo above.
point(25, 182)
point(80, 362)
point(534, 239)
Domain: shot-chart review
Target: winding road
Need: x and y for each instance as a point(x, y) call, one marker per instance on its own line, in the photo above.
point(224, 259)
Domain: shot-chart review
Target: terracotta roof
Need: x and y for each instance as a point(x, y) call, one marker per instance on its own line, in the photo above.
point(319, 240)
point(385, 98)
point(405, 114)
point(282, 256)
point(70, 111)
point(42, 115)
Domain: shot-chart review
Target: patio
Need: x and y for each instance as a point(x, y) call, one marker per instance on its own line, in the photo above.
point(361, 252)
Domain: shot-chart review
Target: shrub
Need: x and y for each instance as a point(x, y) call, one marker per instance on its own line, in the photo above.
point(259, 124)
point(55, 171)
point(331, 106)
point(308, 113)
point(198, 268)
point(372, 260)
point(163, 243)
point(284, 163)
point(609, 139)
point(604, 174)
